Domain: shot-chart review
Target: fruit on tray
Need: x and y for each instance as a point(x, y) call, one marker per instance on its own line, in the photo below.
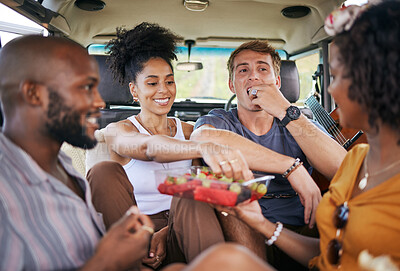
point(215, 196)
point(208, 187)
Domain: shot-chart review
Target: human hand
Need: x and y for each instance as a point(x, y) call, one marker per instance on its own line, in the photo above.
point(308, 191)
point(225, 160)
point(248, 212)
point(126, 243)
point(157, 251)
point(270, 99)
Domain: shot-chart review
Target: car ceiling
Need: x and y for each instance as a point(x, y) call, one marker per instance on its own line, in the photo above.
point(225, 23)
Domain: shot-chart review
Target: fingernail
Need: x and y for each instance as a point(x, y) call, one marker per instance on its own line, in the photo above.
point(132, 210)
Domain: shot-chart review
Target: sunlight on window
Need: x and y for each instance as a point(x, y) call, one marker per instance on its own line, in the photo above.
point(13, 24)
point(355, 2)
point(306, 67)
point(210, 82)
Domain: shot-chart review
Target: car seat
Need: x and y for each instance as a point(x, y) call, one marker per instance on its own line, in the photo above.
point(290, 84)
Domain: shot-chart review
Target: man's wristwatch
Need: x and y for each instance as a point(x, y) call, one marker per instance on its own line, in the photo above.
point(292, 113)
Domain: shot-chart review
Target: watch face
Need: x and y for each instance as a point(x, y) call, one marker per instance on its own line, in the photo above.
point(293, 112)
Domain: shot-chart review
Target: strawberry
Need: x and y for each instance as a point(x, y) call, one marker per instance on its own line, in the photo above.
point(170, 180)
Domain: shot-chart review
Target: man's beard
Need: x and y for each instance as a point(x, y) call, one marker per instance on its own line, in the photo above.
point(63, 123)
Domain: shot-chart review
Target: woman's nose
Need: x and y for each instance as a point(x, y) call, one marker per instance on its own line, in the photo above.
point(163, 88)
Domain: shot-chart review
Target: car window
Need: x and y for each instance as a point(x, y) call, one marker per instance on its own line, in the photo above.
point(13, 24)
point(209, 84)
point(307, 66)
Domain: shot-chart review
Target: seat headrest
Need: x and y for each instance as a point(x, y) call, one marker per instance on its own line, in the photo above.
point(112, 92)
point(290, 83)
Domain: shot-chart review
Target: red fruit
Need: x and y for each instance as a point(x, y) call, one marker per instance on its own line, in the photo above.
point(215, 196)
point(170, 180)
point(219, 185)
point(191, 185)
point(254, 196)
point(163, 188)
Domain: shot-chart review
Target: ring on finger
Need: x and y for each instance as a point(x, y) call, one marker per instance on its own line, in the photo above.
point(223, 163)
point(224, 213)
point(233, 161)
point(157, 258)
point(254, 92)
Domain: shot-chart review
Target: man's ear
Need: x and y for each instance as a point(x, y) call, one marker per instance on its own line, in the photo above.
point(231, 87)
point(278, 81)
point(132, 89)
point(31, 92)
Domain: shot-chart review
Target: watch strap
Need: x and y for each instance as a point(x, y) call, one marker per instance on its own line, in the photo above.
point(285, 121)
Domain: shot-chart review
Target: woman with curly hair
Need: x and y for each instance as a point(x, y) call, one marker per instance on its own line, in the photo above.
point(360, 212)
point(142, 59)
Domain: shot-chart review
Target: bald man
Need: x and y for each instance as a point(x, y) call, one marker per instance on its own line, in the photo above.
point(48, 92)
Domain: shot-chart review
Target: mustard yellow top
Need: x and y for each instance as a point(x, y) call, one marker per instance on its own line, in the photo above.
point(374, 216)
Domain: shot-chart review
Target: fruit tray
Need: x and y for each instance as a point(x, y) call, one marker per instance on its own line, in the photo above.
point(199, 183)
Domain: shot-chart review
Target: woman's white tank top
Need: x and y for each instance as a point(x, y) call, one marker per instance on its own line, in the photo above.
point(149, 199)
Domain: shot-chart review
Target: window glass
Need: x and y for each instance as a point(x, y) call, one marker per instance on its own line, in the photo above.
point(13, 24)
point(355, 2)
point(209, 83)
point(306, 66)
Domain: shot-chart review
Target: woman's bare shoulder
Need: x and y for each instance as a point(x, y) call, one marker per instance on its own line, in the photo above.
point(124, 126)
point(187, 129)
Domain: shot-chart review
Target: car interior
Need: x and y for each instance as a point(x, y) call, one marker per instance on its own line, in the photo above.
point(209, 31)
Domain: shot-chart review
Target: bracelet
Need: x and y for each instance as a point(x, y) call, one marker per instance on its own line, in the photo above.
point(301, 163)
point(277, 232)
point(292, 168)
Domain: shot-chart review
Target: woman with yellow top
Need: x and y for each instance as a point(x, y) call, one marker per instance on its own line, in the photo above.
point(361, 211)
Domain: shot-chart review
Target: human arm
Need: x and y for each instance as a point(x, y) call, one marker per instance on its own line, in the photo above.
point(263, 159)
point(323, 153)
point(124, 245)
point(300, 248)
point(123, 139)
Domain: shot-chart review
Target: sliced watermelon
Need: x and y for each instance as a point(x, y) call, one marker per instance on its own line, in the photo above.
point(215, 196)
point(178, 188)
point(163, 188)
point(219, 185)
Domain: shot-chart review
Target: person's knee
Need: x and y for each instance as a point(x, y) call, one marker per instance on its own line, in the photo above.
point(103, 168)
point(106, 174)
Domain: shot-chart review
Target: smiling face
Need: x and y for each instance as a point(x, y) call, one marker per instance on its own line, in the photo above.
point(155, 87)
point(251, 69)
point(74, 101)
point(351, 114)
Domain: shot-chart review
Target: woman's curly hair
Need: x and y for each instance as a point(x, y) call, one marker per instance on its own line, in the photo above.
point(133, 48)
point(370, 52)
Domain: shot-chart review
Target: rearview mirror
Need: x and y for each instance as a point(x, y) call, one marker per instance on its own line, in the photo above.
point(189, 66)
